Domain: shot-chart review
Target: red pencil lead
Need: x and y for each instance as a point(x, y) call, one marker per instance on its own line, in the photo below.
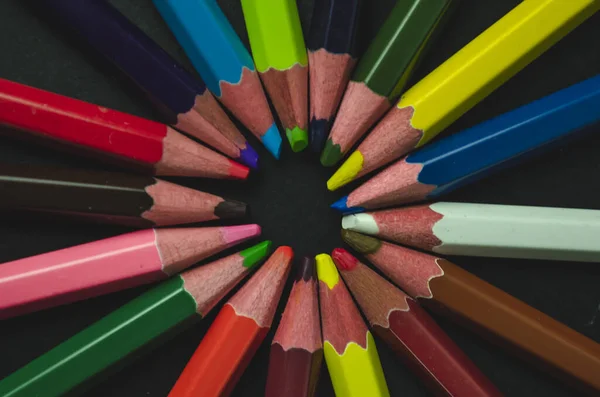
point(343, 259)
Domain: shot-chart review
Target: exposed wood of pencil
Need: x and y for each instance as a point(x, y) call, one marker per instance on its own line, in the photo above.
point(412, 333)
point(451, 291)
point(288, 90)
point(297, 349)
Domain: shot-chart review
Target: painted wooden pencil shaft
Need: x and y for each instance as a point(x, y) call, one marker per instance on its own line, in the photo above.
point(383, 71)
point(221, 59)
point(279, 52)
point(488, 230)
point(463, 80)
point(450, 291)
point(184, 102)
point(332, 56)
point(120, 335)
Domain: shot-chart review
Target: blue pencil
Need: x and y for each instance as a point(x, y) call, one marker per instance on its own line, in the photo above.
point(183, 100)
point(224, 63)
point(477, 152)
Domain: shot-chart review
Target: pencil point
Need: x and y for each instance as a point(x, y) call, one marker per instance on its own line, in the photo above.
point(249, 157)
point(342, 206)
point(360, 242)
point(298, 139)
point(235, 234)
point(331, 155)
point(318, 133)
point(256, 253)
point(347, 172)
point(230, 209)
point(306, 270)
point(285, 250)
point(326, 270)
point(362, 223)
point(343, 259)
point(238, 171)
point(272, 141)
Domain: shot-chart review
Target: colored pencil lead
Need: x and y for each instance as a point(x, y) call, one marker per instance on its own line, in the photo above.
point(463, 80)
point(145, 322)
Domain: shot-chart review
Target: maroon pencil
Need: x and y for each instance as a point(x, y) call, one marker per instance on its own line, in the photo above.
point(297, 348)
point(412, 333)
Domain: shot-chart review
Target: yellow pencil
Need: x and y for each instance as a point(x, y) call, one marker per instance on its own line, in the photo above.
point(462, 81)
point(349, 347)
point(280, 56)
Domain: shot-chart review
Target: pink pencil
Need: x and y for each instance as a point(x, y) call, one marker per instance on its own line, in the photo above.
point(109, 265)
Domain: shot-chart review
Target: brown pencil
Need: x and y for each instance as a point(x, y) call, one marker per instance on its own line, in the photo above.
point(451, 291)
point(297, 349)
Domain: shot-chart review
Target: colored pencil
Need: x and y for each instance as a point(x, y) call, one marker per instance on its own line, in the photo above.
point(413, 335)
point(279, 52)
point(226, 66)
point(331, 59)
point(476, 152)
point(185, 103)
point(384, 70)
point(152, 317)
point(108, 134)
point(237, 332)
point(462, 81)
point(109, 265)
point(132, 200)
point(452, 292)
point(297, 349)
point(504, 231)
point(349, 347)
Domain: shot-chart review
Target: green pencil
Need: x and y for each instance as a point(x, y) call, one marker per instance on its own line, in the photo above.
point(170, 305)
point(280, 56)
point(382, 73)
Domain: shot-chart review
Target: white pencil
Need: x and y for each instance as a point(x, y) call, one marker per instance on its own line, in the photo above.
point(503, 231)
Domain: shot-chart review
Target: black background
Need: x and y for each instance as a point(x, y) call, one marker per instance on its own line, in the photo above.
point(289, 199)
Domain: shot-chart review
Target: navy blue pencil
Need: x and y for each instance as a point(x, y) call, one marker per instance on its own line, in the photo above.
point(477, 152)
point(331, 58)
point(183, 100)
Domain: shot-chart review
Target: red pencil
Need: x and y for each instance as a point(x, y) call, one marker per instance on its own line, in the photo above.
point(236, 333)
point(297, 349)
point(109, 134)
point(109, 265)
point(412, 333)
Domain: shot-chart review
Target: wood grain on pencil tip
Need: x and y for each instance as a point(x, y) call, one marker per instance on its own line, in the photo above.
point(185, 103)
point(278, 48)
point(35, 114)
point(109, 265)
point(348, 346)
point(383, 71)
point(297, 349)
point(132, 330)
point(132, 200)
point(463, 80)
point(332, 56)
point(225, 65)
point(453, 292)
point(412, 333)
point(236, 333)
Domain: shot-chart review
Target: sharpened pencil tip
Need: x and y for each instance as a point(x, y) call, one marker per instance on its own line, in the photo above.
point(344, 260)
point(360, 242)
point(326, 270)
point(318, 134)
point(230, 209)
point(249, 157)
point(306, 270)
point(236, 234)
point(298, 139)
point(238, 171)
point(342, 206)
point(272, 141)
point(347, 172)
point(331, 154)
point(256, 253)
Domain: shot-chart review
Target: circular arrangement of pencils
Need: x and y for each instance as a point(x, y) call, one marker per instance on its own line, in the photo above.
point(309, 90)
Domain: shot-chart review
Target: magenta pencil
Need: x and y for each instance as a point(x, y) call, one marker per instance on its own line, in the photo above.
point(109, 265)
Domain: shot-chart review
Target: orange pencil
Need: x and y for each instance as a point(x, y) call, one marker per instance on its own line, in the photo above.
point(236, 333)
